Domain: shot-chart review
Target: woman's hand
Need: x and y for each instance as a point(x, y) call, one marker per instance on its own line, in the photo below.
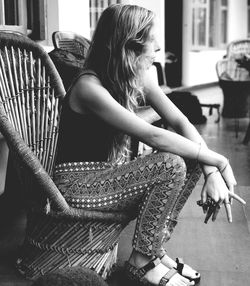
point(220, 189)
point(227, 174)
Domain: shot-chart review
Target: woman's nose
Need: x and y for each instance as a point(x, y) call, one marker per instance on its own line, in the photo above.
point(157, 47)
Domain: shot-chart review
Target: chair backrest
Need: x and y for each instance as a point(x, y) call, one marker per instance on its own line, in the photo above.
point(230, 70)
point(71, 42)
point(31, 93)
point(238, 48)
point(30, 102)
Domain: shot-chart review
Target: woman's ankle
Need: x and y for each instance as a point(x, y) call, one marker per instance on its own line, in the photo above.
point(168, 261)
point(138, 259)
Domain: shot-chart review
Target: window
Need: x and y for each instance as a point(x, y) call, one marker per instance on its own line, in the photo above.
point(209, 24)
point(25, 16)
point(96, 8)
point(36, 19)
point(13, 15)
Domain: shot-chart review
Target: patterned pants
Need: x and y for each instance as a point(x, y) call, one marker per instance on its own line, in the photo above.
point(154, 187)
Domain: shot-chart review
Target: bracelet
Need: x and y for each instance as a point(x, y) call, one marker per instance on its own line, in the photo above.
point(209, 174)
point(198, 154)
point(224, 168)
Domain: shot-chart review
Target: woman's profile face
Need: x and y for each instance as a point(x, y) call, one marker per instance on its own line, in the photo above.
point(151, 46)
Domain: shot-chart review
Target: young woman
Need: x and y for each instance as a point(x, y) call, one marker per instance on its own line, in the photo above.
point(98, 118)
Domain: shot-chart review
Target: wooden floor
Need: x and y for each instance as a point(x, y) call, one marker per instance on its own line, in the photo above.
point(219, 250)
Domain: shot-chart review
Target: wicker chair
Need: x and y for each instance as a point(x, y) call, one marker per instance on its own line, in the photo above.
point(234, 81)
point(234, 78)
point(57, 235)
point(69, 54)
point(238, 48)
point(71, 42)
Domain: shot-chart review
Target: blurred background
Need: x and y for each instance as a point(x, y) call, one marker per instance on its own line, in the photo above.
point(195, 31)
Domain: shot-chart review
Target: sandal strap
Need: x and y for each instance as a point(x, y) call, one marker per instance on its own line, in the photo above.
point(138, 273)
point(150, 265)
point(180, 265)
point(165, 279)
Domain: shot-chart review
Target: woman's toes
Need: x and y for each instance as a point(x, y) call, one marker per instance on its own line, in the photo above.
point(190, 272)
point(178, 280)
point(155, 275)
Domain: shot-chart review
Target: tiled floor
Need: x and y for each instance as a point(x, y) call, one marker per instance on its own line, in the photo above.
point(219, 250)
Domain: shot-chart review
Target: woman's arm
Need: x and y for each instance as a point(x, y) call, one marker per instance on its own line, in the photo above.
point(218, 185)
point(88, 93)
point(169, 112)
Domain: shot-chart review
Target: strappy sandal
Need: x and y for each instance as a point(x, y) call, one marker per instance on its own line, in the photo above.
point(137, 274)
point(179, 268)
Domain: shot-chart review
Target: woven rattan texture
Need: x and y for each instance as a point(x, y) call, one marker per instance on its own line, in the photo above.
point(31, 94)
point(53, 243)
point(229, 69)
point(70, 42)
point(238, 48)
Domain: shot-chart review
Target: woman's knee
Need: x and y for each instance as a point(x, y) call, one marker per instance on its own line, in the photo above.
point(174, 162)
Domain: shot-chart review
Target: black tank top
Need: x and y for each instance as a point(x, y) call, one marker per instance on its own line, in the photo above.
point(83, 137)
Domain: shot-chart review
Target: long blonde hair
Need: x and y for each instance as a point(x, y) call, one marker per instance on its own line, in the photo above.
point(115, 55)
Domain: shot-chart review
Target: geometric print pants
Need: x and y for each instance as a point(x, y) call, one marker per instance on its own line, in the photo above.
point(154, 188)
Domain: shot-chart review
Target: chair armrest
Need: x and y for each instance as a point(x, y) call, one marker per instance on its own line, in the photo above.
point(30, 162)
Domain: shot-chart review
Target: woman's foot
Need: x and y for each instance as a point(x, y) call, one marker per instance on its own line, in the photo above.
point(155, 275)
point(187, 271)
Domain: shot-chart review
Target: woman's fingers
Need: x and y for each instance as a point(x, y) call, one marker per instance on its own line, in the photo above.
point(236, 197)
point(203, 195)
point(216, 211)
point(228, 211)
point(228, 175)
point(210, 211)
point(231, 189)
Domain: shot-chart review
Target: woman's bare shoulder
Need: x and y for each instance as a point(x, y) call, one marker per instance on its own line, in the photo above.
point(87, 90)
point(87, 80)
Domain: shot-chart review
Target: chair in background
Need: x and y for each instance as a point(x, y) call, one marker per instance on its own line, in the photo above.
point(240, 51)
point(238, 48)
point(57, 235)
point(71, 42)
point(234, 81)
point(69, 54)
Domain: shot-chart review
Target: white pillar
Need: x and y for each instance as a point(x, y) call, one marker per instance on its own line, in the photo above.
point(237, 19)
point(68, 15)
point(186, 42)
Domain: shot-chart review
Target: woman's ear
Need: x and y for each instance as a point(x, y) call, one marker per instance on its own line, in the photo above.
point(135, 46)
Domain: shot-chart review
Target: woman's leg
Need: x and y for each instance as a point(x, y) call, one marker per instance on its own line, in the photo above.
point(158, 217)
point(99, 186)
point(157, 176)
point(193, 175)
point(155, 186)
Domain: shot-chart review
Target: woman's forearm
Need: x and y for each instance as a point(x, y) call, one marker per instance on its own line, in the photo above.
point(168, 141)
point(189, 131)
